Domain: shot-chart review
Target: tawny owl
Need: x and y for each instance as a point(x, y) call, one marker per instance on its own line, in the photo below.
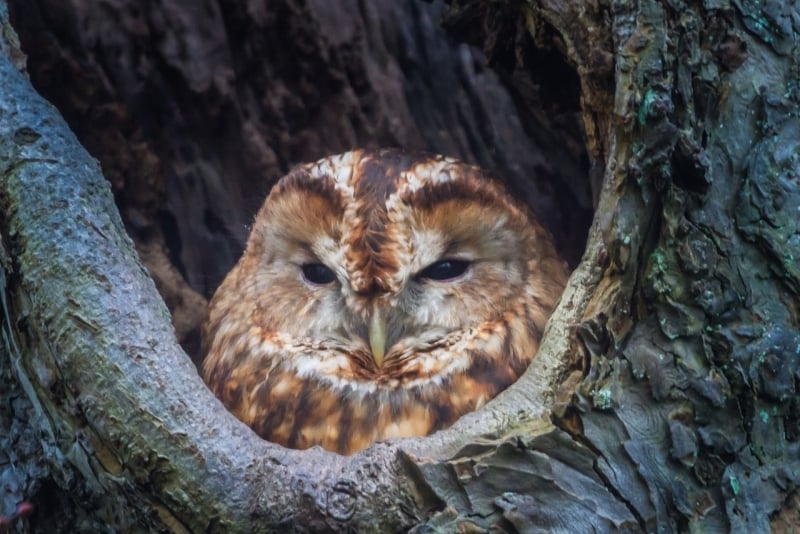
point(381, 294)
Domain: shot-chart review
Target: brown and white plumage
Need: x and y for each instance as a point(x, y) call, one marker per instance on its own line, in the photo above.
point(381, 294)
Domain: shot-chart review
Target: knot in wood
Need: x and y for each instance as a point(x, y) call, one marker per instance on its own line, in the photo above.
point(341, 500)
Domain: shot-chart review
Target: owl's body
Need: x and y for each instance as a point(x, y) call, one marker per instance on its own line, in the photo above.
point(382, 294)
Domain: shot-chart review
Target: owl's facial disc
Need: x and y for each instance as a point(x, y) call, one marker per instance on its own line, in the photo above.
point(395, 260)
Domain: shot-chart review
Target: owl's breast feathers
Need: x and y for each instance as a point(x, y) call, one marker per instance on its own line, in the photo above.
point(300, 401)
point(297, 360)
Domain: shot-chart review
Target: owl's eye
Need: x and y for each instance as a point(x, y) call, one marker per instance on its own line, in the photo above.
point(444, 270)
point(317, 273)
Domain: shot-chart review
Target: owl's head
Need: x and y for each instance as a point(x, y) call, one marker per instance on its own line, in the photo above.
point(379, 271)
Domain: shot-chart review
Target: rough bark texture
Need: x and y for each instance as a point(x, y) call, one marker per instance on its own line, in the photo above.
point(664, 395)
point(692, 338)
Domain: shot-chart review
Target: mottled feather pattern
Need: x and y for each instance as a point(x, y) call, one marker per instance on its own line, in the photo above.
point(297, 360)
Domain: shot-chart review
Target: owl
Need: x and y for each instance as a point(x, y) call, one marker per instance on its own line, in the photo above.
point(381, 294)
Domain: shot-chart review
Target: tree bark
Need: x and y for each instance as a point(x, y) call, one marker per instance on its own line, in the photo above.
point(664, 393)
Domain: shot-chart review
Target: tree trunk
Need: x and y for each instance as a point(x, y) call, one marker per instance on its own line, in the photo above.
point(663, 396)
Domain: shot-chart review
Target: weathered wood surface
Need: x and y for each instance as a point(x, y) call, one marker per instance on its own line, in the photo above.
point(664, 397)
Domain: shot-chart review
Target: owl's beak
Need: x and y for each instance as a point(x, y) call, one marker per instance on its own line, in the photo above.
point(377, 336)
